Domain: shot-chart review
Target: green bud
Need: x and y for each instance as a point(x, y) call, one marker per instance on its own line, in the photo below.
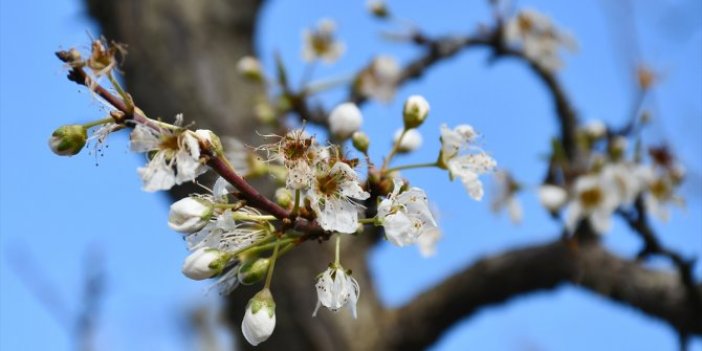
point(253, 271)
point(68, 140)
point(415, 111)
point(360, 141)
point(284, 197)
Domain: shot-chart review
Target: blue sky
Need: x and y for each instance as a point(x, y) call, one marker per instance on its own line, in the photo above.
point(54, 210)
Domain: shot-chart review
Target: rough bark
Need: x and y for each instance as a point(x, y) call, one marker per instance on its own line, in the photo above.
point(182, 58)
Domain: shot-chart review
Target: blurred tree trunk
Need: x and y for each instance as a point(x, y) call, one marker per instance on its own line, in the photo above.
point(182, 57)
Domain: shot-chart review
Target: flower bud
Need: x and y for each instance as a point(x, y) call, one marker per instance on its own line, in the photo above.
point(552, 197)
point(378, 8)
point(617, 147)
point(203, 263)
point(360, 141)
point(68, 140)
point(344, 120)
point(210, 139)
point(415, 111)
point(284, 197)
point(253, 271)
point(259, 319)
point(189, 215)
point(250, 68)
point(410, 142)
point(595, 129)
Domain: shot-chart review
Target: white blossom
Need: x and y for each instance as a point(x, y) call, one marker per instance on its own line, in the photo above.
point(505, 197)
point(190, 214)
point(410, 142)
point(336, 289)
point(658, 191)
point(175, 157)
point(344, 120)
point(595, 129)
point(332, 198)
point(594, 200)
point(202, 263)
point(467, 167)
point(552, 197)
point(250, 67)
point(406, 216)
point(259, 318)
point(538, 37)
point(320, 43)
point(379, 79)
point(298, 152)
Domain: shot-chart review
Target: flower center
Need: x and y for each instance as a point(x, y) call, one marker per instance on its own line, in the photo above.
point(328, 184)
point(659, 189)
point(591, 197)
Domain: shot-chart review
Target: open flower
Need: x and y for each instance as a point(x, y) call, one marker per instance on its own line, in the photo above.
point(336, 288)
point(538, 37)
point(467, 167)
point(552, 197)
point(506, 196)
point(298, 152)
point(593, 200)
point(259, 318)
point(379, 79)
point(406, 216)
point(174, 156)
point(320, 43)
point(332, 197)
point(659, 190)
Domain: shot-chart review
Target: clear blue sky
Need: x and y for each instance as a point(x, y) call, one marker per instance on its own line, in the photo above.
point(53, 210)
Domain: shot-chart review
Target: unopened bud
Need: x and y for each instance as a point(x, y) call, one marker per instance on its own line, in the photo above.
point(595, 129)
point(68, 140)
point(253, 271)
point(259, 318)
point(211, 140)
point(552, 197)
point(410, 142)
point(203, 263)
point(617, 147)
point(415, 111)
point(250, 68)
point(283, 197)
point(344, 120)
point(378, 8)
point(360, 141)
point(190, 215)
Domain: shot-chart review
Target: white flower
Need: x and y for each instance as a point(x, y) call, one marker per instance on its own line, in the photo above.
point(406, 216)
point(455, 140)
point(321, 44)
point(298, 152)
point(190, 214)
point(468, 166)
point(332, 195)
point(415, 111)
point(226, 234)
point(595, 129)
point(658, 188)
point(344, 120)
point(552, 197)
point(335, 289)
point(379, 79)
point(259, 318)
point(539, 39)
point(623, 179)
point(594, 200)
point(410, 142)
point(505, 196)
point(202, 263)
point(175, 158)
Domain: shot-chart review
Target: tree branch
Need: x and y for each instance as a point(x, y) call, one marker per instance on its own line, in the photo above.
point(496, 279)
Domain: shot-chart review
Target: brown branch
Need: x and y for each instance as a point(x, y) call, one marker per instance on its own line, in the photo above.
point(493, 280)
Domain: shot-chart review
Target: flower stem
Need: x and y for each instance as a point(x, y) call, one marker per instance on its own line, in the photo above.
point(395, 148)
point(337, 255)
point(367, 220)
point(98, 122)
point(411, 166)
point(296, 207)
point(274, 258)
point(125, 97)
